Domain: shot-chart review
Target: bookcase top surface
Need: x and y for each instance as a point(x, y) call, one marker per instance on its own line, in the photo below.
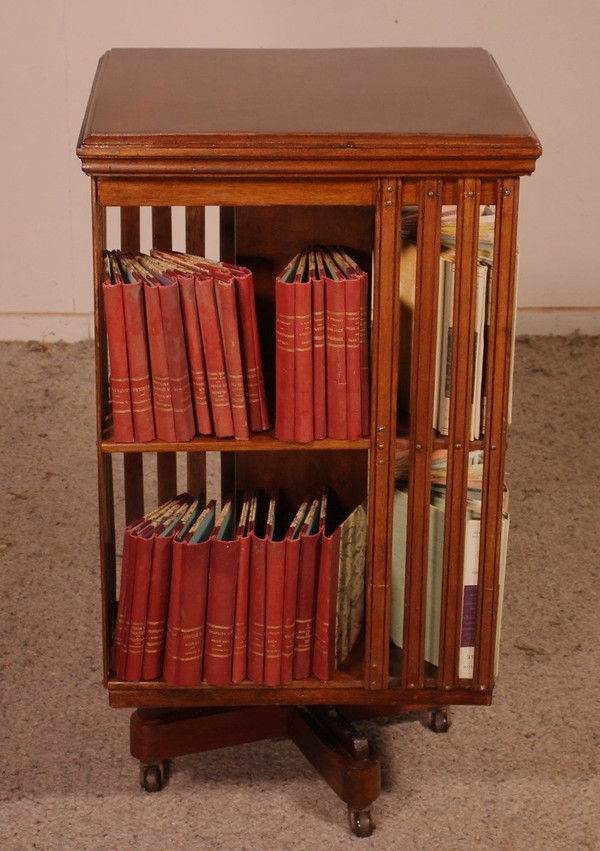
point(150, 101)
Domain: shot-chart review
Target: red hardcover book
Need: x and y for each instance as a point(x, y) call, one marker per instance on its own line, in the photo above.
point(335, 353)
point(351, 269)
point(159, 590)
point(304, 426)
point(256, 598)
point(285, 345)
point(248, 327)
point(214, 356)
point(195, 353)
point(253, 372)
point(274, 591)
point(353, 367)
point(220, 609)
point(310, 540)
point(139, 604)
point(164, 417)
point(121, 635)
point(184, 646)
point(175, 348)
point(137, 357)
point(240, 631)
point(290, 589)
point(179, 377)
point(318, 344)
point(228, 319)
point(133, 533)
point(120, 390)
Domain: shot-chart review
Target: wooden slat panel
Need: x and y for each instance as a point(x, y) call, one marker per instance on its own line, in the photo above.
point(421, 441)
point(106, 516)
point(194, 230)
point(383, 428)
point(459, 426)
point(133, 467)
point(498, 382)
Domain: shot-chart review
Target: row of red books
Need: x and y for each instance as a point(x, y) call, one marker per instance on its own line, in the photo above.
point(322, 353)
point(206, 598)
point(183, 347)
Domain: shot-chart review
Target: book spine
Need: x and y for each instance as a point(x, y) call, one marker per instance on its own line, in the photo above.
point(304, 430)
point(139, 609)
point(468, 627)
point(274, 593)
point(290, 596)
point(225, 293)
point(119, 648)
point(324, 647)
point(195, 354)
point(220, 612)
point(214, 357)
point(161, 385)
point(285, 374)
point(319, 376)
point(158, 605)
point(120, 390)
point(179, 377)
point(365, 377)
point(256, 611)
point(335, 349)
point(138, 360)
point(186, 622)
point(352, 301)
point(253, 371)
point(240, 632)
point(305, 606)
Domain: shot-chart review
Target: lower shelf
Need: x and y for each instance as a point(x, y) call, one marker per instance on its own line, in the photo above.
point(310, 692)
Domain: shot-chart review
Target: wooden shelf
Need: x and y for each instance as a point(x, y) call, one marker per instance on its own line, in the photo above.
point(258, 442)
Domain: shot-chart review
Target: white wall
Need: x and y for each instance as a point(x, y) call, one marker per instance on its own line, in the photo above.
point(547, 50)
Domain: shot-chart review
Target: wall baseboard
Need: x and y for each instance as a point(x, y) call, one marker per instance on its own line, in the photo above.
point(558, 321)
point(72, 327)
point(47, 327)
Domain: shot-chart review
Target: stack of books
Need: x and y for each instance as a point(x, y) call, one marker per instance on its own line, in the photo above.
point(445, 320)
point(321, 348)
point(206, 598)
point(183, 348)
point(470, 571)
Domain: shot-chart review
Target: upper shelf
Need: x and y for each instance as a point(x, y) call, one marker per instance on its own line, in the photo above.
point(360, 111)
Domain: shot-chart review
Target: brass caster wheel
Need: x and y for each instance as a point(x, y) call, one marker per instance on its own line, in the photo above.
point(439, 720)
point(152, 776)
point(361, 822)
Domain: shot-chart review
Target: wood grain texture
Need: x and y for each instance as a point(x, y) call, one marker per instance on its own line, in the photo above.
point(372, 110)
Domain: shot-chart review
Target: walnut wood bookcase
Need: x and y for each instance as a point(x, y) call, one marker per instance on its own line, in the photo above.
point(321, 146)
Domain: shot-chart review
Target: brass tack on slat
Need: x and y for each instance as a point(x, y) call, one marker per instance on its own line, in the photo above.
point(419, 446)
point(470, 194)
point(507, 192)
point(431, 193)
point(390, 189)
point(458, 445)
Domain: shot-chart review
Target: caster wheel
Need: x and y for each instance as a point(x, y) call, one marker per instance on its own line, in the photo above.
point(361, 822)
point(439, 720)
point(152, 776)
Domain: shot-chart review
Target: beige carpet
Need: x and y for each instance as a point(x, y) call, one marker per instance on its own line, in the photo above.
point(522, 774)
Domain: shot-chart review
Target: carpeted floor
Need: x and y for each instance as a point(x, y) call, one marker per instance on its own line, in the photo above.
point(522, 774)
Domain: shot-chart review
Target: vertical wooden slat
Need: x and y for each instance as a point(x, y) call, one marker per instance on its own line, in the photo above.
point(498, 383)
point(383, 429)
point(421, 442)
point(166, 462)
point(227, 234)
point(132, 462)
point(467, 233)
point(195, 244)
point(106, 516)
